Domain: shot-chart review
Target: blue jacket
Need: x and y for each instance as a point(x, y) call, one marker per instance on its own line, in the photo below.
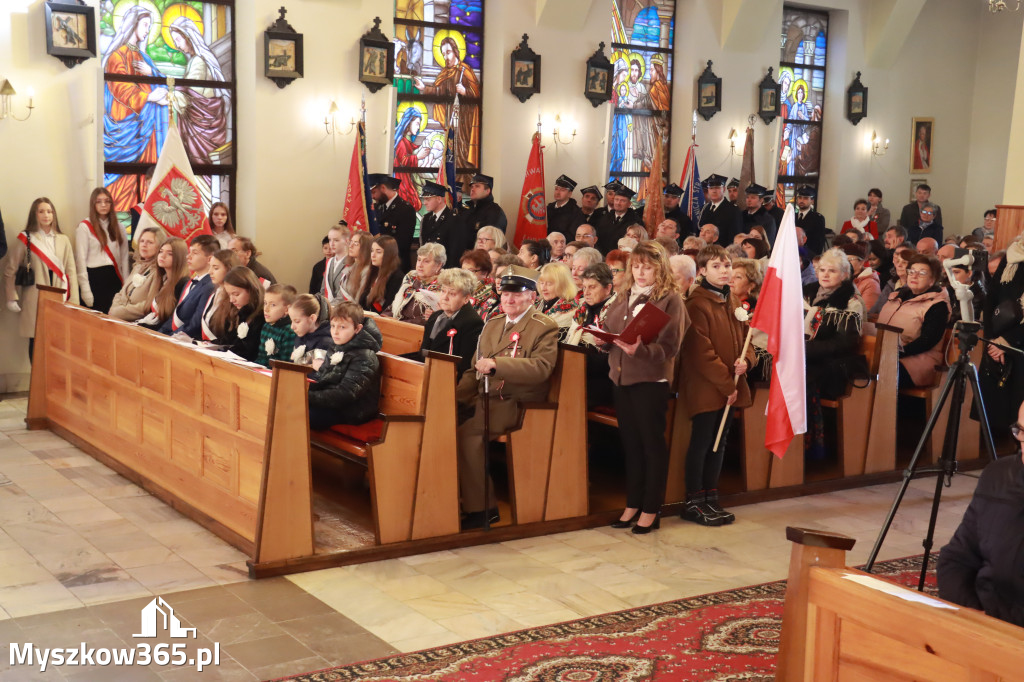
point(190, 309)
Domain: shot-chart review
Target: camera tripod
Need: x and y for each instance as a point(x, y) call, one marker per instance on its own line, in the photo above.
point(962, 372)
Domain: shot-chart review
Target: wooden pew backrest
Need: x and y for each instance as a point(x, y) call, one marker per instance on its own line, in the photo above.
point(402, 389)
point(400, 337)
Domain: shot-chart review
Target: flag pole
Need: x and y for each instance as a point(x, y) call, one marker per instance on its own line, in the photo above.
point(170, 106)
point(735, 381)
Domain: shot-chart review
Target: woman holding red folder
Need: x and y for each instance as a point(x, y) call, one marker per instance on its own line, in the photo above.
point(642, 374)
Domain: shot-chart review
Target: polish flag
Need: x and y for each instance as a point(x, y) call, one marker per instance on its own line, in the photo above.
point(780, 315)
point(177, 200)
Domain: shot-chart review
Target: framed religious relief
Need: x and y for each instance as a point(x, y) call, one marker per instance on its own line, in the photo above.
point(709, 93)
point(282, 52)
point(70, 32)
point(768, 105)
point(921, 145)
point(524, 75)
point(914, 184)
point(598, 84)
point(376, 58)
point(856, 101)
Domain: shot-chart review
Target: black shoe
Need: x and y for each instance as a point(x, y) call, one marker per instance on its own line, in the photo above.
point(619, 523)
point(475, 520)
point(711, 503)
point(644, 530)
point(697, 511)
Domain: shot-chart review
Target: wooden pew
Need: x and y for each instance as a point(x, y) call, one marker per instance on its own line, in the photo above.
point(221, 443)
point(547, 451)
point(400, 338)
point(410, 450)
point(843, 624)
point(881, 449)
point(761, 468)
point(853, 410)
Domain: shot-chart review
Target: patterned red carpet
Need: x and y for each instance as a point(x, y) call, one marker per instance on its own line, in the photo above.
point(723, 636)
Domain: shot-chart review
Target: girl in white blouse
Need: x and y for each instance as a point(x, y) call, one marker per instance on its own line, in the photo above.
point(101, 253)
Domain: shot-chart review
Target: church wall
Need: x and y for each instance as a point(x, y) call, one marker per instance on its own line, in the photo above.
point(959, 65)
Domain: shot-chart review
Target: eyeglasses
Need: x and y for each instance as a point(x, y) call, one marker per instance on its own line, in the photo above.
point(1017, 430)
point(927, 212)
point(919, 273)
point(617, 271)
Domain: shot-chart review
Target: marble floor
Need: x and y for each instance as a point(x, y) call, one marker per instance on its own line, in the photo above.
point(83, 549)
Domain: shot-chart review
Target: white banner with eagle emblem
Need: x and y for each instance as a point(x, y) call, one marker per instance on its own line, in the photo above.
point(177, 201)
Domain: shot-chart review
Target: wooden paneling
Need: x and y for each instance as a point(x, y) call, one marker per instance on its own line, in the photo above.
point(405, 385)
point(529, 462)
point(567, 494)
point(1009, 224)
point(436, 507)
point(399, 337)
point(881, 450)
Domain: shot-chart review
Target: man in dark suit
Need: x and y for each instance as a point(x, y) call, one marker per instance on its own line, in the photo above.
point(395, 216)
point(910, 214)
point(755, 214)
point(733, 192)
point(590, 197)
point(722, 213)
point(812, 222)
point(455, 328)
point(564, 215)
point(674, 209)
point(928, 225)
point(440, 224)
point(483, 211)
point(768, 201)
point(612, 226)
point(188, 314)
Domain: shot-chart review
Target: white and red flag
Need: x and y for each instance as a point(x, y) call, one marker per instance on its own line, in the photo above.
point(532, 222)
point(177, 201)
point(780, 315)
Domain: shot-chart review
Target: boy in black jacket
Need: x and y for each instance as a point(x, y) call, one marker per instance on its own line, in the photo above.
point(346, 386)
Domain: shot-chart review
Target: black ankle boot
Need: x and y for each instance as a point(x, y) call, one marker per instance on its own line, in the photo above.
point(711, 503)
point(696, 511)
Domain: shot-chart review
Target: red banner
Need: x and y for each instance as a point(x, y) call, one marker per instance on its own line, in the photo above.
point(357, 212)
point(532, 222)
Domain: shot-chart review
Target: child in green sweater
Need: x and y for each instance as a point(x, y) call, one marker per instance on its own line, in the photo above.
point(276, 338)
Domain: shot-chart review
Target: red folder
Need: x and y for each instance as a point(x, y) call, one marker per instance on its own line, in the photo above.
point(646, 325)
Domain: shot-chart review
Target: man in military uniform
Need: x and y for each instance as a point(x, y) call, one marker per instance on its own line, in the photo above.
point(768, 201)
point(723, 214)
point(395, 216)
point(518, 350)
point(483, 211)
point(733, 190)
point(755, 213)
point(609, 200)
point(439, 223)
point(564, 215)
point(590, 197)
point(674, 209)
point(613, 225)
point(812, 222)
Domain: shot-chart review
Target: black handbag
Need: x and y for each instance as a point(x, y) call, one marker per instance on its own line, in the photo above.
point(1004, 317)
point(24, 277)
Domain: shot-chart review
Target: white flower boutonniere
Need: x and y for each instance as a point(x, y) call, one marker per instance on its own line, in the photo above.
point(297, 353)
point(243, 330)
point(336, 357)
point(637, 309)
point(741, 314)
point(270, 347)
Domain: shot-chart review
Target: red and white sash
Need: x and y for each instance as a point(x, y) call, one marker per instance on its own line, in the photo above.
point(48, 259)
point(106, 250)
point(175, 320)
point(208, 309)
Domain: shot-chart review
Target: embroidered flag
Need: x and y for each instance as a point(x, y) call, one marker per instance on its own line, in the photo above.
point(446, 173)
point(532, 222)
point(693, 195)
point(747, 167)
point(780, 314)
point(654, 209)
point(357, 195)
point(177, 201)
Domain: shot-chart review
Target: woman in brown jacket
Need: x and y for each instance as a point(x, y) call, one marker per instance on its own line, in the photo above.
point(716, 382)
point(642, 375)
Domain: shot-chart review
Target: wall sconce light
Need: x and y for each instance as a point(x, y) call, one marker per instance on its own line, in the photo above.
point(999, 5)
point(734, 140)
point(331, 119)
point(557, 138)
point(878, 148)
point(7, 92)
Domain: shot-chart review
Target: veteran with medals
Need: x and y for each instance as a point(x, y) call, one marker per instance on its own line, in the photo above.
point(517, 353)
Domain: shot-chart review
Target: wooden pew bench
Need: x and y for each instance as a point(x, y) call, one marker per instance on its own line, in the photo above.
point(842, 624)
point(409, 450)
point(400, 338)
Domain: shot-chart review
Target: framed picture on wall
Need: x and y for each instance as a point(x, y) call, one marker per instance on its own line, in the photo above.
point(921, 145)
point(914, 182)
point(709, 93)
point(282, 52)
point(768, 104)
point(70, 32)
point(376, 58)
point(856, 101)
point(524, 71)
point(598, 85)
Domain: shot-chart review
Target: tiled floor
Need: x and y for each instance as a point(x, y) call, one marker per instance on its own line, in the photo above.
point(82, 550)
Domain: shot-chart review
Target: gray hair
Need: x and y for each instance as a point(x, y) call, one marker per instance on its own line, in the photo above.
point(458, 279)
point(494, 233)
point(692, 242)
point(627, 244)
point(714, 227)
point(929, 205)
point(685, 263)
point(836, 257)
point(555, 234)
point(589, 254)
point(435, 251)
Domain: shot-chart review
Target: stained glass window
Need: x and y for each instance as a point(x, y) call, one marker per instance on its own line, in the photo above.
point(802, 79)
point(142, 43)
point(439, 54)
point(642, 36)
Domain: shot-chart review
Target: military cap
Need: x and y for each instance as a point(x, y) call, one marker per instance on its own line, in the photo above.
point(805, 191)
point(375, 179)
point(391, 182)
point(611, 185)
point(733, 182)
point(483, 180)
point(715, 180)
point(566, 182)
point(674, 190)
point(754, 188)
point(592, 190)
point(624, 191)
point(518, 278)
point(432, 189)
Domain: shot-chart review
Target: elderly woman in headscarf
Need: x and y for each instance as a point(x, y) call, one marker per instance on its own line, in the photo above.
point(418, 297)
point(201, 112)
point(833, 322)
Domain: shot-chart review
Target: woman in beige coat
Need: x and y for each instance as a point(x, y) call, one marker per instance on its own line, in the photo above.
point(51, 260)
point(135, 299)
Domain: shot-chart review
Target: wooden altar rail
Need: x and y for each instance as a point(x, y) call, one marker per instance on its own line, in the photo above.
point(834, 628)
point(221, 443)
